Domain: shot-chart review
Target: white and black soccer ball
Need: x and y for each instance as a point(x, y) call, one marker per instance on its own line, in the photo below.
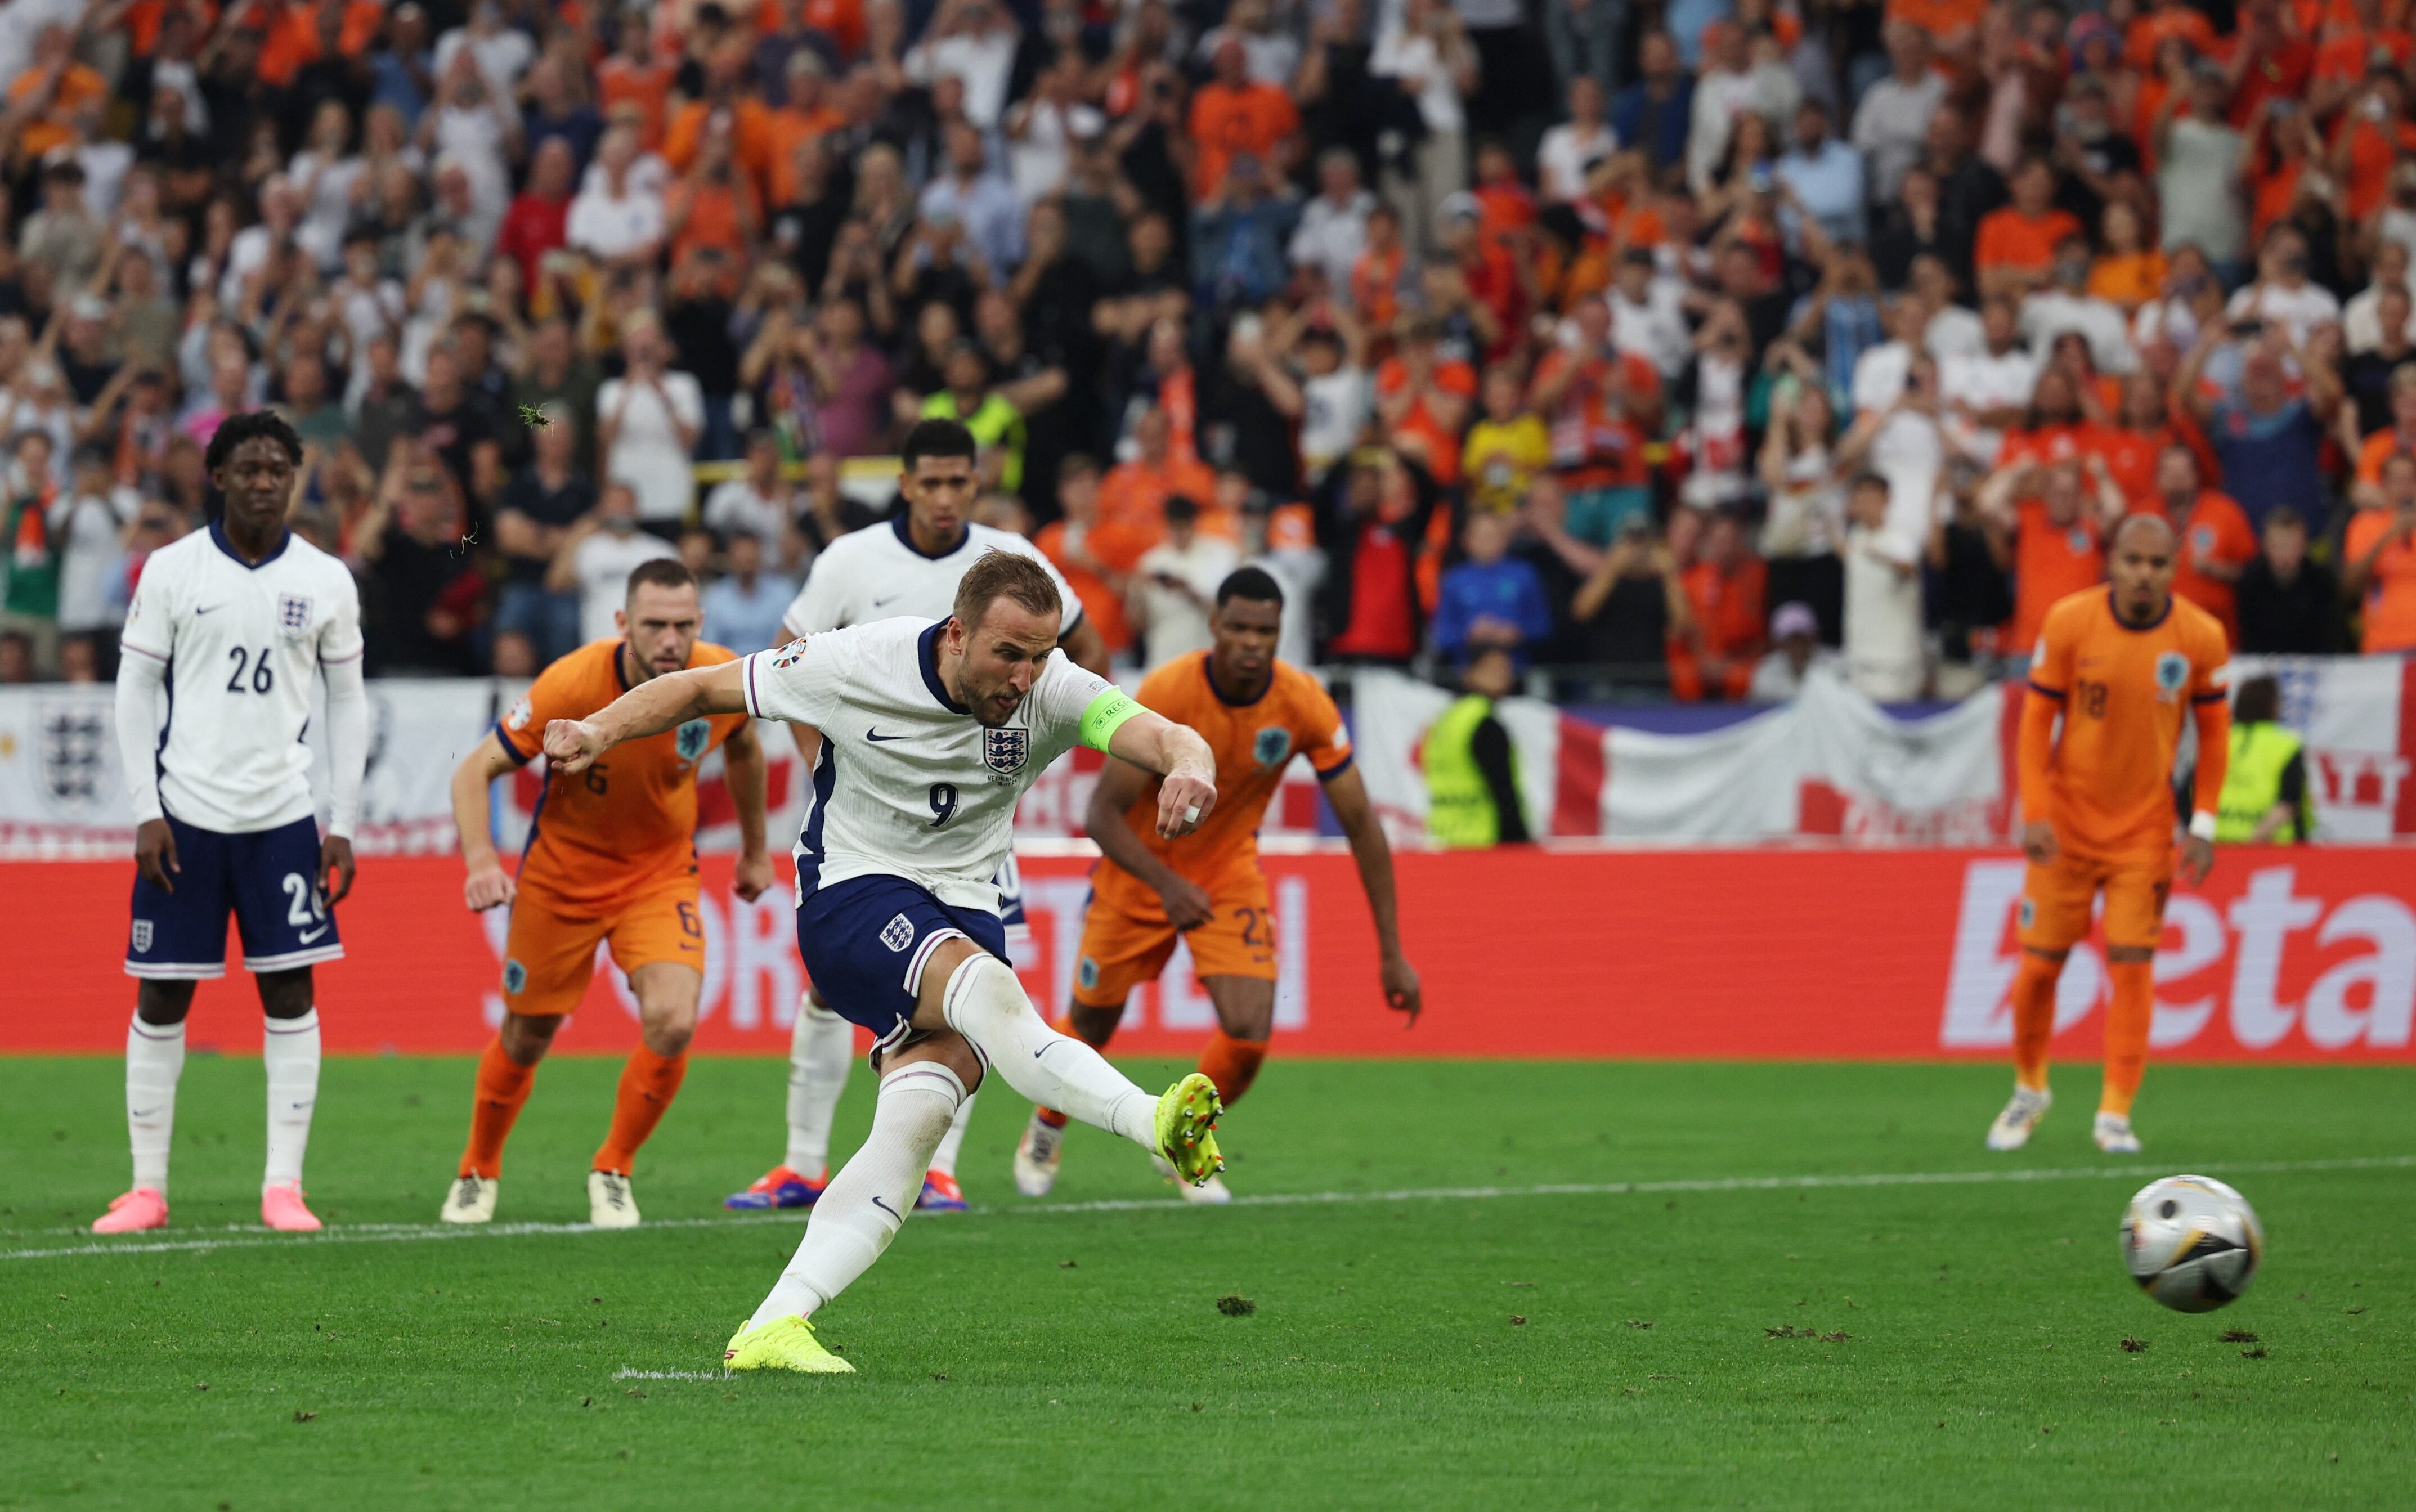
point(2192, 1242)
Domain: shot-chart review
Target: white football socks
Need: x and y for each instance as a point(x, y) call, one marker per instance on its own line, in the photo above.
point(861, 1210)
point(290, 1050)
point(822, 1047)
point(155, 1058)
point(986, 1004)
point(944, 1159)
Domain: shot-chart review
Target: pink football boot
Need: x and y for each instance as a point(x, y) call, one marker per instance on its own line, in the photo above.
point(281, 1208)
point(144, 1207)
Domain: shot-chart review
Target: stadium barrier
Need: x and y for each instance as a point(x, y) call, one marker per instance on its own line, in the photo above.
point(2305, 954)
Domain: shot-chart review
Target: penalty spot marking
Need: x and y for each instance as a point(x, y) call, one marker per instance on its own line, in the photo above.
point(246, 1237)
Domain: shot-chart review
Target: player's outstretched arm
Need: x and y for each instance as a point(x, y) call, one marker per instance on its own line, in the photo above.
point(1187, 904)
point(1373, 856)
point(650, 708)
point(1175, 753)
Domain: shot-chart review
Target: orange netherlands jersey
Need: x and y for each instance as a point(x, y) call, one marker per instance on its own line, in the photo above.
point(2050, 562)
point(2009, 238)
point(1254, 742)
point(1227, 123)
point(2125, 695)
point(626, 824)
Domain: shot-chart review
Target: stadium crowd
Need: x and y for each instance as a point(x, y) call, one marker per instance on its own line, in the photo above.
point(1659, 347)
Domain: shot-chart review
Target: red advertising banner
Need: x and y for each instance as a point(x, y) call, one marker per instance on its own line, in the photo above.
point(2305, 954)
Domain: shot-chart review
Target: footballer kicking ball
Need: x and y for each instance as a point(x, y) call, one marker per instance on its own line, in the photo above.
point(2192, 1242)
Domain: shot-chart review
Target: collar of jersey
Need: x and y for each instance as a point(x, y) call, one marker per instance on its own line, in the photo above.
point(1208, 669)
point(2135, 629)
point(926, 655)
point(905, 533)
point(219, 538)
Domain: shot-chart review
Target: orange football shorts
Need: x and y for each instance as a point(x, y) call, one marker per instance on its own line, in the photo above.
point(2056, 899)
point(550, 957)
point(1121, 951)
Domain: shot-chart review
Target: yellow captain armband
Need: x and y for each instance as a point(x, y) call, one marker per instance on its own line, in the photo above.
point(1105, 716)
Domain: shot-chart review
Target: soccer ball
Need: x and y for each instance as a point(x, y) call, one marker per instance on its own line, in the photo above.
point(2192, 1242)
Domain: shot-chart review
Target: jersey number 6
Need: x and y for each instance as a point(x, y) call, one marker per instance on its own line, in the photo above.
point(943, 803)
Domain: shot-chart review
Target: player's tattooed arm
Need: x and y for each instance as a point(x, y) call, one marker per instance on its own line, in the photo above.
point(651, 708)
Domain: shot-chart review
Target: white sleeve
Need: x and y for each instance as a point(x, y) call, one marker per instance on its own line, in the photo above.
point(348, 743)
point(821, 603)
point(141, 680)
point(1059, 697)
point(685, 397)
point(798, 683)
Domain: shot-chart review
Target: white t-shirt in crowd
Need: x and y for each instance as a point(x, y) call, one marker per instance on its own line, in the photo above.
point(1334, 410)
point(1882, 620)
point(603, 562)
point(1562, 156)
point(2302, 311)
point(647, 453)
point(92, 559)
point(613, 226)
point(1984, 383)
point(2049, 315)
point(736, 503)
point(1177, 622)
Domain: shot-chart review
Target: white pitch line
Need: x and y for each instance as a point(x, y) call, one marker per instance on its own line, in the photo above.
point(240, 1238)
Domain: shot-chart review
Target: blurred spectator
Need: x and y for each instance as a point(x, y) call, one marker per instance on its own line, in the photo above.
point(1067, 543)
point(2055, 515)
point(2201, 156)
point(421, 591)
point(1653, 113)
point(548, 497)
point(2216, 544)
point(1283, 543)
point(1174, 584)
point(16, 657)
point(1719, 616)
point(1333, 229)
point(1892, 116)
point(2064, 303)
point(1372, 522)
point(1883, 652)
point(1569, 149)
point(29, 593)
point(2268, 439)
point(89, 521)
point(2265, 792)
point(2379, 557)
point(1823, 176)
point(1986, 393)
point(2372, 374)
point(1507, 447)
point(597, 554)
point(759, 500)
point(2289, 604)
point(1795, 650)
point(1423, 48)
point(648, 422)
point(1628, 600)
point(2361, 322)
point(1806, 522)
point(1473, 798)
point(1490, 600)
point(744, 606)
point(2282, 295)
point(1235, 116)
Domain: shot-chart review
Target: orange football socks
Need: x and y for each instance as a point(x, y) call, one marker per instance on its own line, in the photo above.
point(2034, 1017)
point(648, 1085)
point(1232, 1065)
point(503, 1088)
point(2127, 1021)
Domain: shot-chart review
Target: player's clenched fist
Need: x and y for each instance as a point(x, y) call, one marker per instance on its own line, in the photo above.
point(1183, 799)
point(489, 886)
point(572, 744)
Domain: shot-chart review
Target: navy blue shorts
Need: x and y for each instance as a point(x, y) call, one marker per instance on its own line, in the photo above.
point(867, 939)
point(1010, 902)
point(269, 878)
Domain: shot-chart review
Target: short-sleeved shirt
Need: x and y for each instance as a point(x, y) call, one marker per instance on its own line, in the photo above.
point(2126, 693)
point(880, 573)
point(2269, 459)
point(1226, 123)
point(1254, 742)
point(2390, 596)
point(2050, 563)
point(908, 783)
point(2217, 532)
point(2009, 238)
point(627, 825)
point(242, 642)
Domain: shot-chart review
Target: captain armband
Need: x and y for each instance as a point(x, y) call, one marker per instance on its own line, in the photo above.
point(1105, 716)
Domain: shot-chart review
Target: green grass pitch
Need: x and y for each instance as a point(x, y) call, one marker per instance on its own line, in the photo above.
point(1696, 1343)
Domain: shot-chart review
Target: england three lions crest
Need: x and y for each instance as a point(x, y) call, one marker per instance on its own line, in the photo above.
point(1004, 751)
point(292, 613)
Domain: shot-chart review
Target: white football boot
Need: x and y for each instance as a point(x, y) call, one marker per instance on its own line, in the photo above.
point(2113, 1134)
point(611, 1204)
point(2012, 1129)
point(470, 1200)
point(1037, 1155)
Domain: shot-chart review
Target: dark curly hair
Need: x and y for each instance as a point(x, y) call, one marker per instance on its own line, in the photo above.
point(237, 428)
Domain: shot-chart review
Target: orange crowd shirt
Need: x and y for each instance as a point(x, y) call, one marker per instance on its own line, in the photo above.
point(2391, 597)
point(2218, 533)
point(1254, 741)
point(2009, 238)
point(2124, 693)
point(1226, 123)
point(627, 825)
point(2050, 560)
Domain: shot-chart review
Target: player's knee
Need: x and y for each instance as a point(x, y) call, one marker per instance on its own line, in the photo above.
point(1247, 1011)
point(1093, 1026)
point(157, 1002)
point(2129, 955)
point(983, 998)
point(526, 1037)
point(286, 994)
point(668, 1030)
point(945, 1048)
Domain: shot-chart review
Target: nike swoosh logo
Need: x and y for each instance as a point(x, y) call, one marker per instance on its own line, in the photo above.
point(307, 937)
point(886, 1208)
point(870, 735)
point(891, 600)
point(301, 1107)
point(212, 610)
point(1043, 1051)
point(141, 1113)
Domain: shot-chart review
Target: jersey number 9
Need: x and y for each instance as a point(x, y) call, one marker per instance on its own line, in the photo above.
point(262, 676)
point(943, 803)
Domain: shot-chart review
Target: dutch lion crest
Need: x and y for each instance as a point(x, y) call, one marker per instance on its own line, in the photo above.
point(691, 738)
point(2172, 672)
point(1272, 746)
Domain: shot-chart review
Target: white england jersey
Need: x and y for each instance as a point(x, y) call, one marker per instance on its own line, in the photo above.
point(908, 783)
point(878, 573)
point(241, 644)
